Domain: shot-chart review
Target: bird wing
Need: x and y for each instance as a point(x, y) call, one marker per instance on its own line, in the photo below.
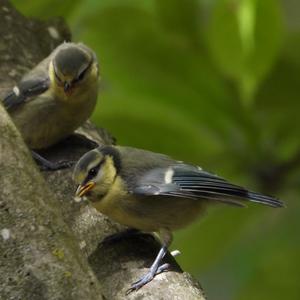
point(31, 85)
point(25, 91)
point(188, 181)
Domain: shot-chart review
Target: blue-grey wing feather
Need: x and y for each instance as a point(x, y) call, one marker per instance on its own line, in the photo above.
point(192, 182)
point(26, 90)
point(33, 83)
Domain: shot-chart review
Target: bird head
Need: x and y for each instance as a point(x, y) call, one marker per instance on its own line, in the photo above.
point(72, 66)
point(96, 171)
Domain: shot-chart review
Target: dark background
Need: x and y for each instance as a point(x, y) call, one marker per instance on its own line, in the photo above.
point(215, 83)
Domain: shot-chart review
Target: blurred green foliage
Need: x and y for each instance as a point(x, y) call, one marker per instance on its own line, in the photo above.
point(216, 83)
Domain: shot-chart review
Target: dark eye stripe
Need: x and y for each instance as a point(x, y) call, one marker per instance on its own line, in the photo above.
point(93, 172)
point(79, 77)
point(56, 76)
point(82, 74)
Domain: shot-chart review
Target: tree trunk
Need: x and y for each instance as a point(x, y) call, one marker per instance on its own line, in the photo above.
point(50, 245)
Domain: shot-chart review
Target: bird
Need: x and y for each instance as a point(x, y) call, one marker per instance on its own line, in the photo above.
point(55, 97)
point(152, 192)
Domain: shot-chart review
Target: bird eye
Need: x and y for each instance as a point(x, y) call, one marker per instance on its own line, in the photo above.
point(81, 75)
point(93, 172)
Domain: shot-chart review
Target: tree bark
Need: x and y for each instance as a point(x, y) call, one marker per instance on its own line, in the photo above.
point(51, 246)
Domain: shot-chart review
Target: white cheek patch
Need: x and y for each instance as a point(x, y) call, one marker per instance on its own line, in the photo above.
point(199, 168)
point(99, 175)
point(16, 91)
point(169, 176)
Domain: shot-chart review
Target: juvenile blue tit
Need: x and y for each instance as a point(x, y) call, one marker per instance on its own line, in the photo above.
point(153, 193)
point(56, 97)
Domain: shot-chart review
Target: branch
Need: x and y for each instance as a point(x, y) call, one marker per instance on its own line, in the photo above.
point(51, 246)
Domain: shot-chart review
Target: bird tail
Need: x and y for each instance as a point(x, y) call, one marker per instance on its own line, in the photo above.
point(263, 199)
point(237, 197)
point(217, 189)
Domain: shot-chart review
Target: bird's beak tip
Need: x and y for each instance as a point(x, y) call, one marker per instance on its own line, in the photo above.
point(83, 189)
point(67, 88)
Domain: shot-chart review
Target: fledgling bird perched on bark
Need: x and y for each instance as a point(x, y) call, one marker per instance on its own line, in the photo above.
point(55, 98)
point(152, 192)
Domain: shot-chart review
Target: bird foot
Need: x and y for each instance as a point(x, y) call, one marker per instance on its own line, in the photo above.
point(147, 278)
point(54, 166)
point(47, 165)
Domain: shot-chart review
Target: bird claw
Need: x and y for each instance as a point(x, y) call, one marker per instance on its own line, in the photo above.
point(147, 278)
point(141, 282)
point(47, 165)
point(163, 268)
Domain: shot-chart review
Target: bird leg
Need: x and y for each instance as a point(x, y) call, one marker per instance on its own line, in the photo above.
point(156, 267)
point(47, 165)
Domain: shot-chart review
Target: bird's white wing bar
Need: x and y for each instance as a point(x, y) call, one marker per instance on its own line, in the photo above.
point(168, 175)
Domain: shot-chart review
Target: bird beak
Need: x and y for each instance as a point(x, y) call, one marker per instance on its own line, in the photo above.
point(83, 189)
point(67, 87)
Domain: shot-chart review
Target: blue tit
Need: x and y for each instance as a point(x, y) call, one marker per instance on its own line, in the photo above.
point(152, 192)
point(55, 97)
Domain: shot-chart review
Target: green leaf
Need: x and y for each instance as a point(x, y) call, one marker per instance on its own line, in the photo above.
point(245, 38)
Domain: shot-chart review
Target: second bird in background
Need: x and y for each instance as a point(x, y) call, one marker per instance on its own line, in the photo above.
point(55, 98)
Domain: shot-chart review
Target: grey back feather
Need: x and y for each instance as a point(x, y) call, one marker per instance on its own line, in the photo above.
point(147, 173)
